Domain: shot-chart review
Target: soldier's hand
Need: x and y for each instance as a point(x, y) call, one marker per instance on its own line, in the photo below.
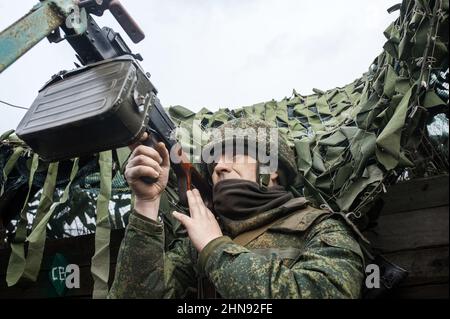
point(202, 225)
point(149, 162)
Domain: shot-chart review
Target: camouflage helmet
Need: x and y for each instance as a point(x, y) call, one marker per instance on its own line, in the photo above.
point(253, 131)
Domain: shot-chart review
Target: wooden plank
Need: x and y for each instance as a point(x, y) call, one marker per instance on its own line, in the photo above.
point(425, 266)
point(417, 229)
point(416, 194)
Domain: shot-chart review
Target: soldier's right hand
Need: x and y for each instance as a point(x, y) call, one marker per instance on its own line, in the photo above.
point(150, 162)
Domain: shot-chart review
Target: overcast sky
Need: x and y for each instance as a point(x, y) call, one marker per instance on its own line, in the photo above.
point(222, 53)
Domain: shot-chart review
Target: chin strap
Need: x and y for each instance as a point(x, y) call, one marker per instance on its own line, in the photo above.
point(264, 180)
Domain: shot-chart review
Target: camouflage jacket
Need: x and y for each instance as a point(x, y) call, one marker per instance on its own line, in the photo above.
point(310, 253)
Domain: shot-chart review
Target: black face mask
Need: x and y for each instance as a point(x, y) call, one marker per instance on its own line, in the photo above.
point(238, 199)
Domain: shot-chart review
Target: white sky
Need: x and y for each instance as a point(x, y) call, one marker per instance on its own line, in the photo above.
point(222, 53)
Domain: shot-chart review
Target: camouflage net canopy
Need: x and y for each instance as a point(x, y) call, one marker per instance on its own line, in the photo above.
point(391, 124)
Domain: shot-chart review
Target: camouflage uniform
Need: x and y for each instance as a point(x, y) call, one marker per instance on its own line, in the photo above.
point(303, 253)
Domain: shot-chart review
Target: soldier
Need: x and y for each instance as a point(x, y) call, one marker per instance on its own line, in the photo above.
point(258, 241)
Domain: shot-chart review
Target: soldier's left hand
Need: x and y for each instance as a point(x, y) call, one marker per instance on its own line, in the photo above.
point(202, 225)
